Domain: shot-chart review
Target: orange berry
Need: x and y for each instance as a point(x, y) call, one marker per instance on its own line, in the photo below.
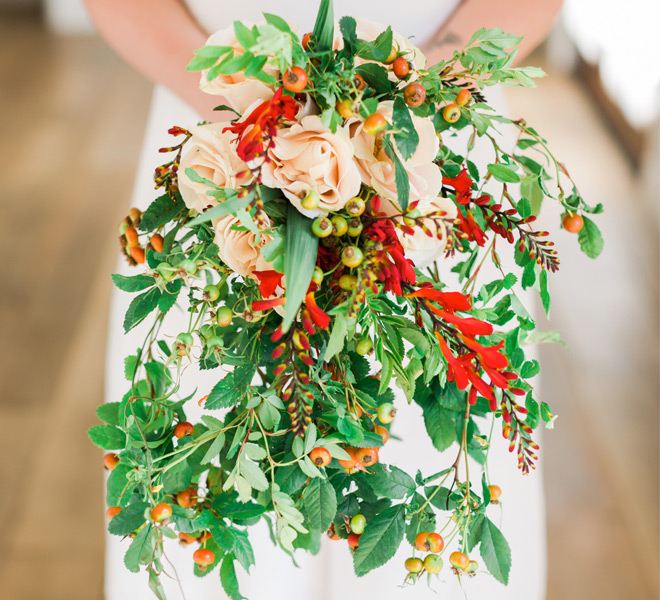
point(392, 57)
point(360, 83)
point(463, 97)
point(160, 512)
point(495, 492)
point(572, 223)
point(382, 432)
point(135, 214)
point(205, 535)
point(183, 429)
point(375, 123)
point(112, 511)
point(458, 560)
point(414, 565)
point(451, 113)
point(401, 67)
point(186, 498)
point(203, 556)
point(352, 461)
point(137, 254)
point(110, 461)
point(414, 94)
point(436, 542)
point(294, 79)
point(345, 108)
point(320, 457)
point(185, 539)
point(131, 236)
point(367, 456)
point(157, 242)
point(305, 41)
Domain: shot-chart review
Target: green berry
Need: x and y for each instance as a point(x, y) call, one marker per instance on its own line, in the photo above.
point(211, 293)
point(189, 266)
point(355, 206)
point(352, 257)
point(311, 200)
point(355, 227)
point(386, 413)
point(317, 276)
point(224, 316)
point(433, 563)
point(363, 346)
point(322, 227)
point(358, 523)
point(339, 226)
point(347, 282)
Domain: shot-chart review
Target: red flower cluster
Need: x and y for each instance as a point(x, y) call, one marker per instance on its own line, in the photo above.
point(391, 265)
point(472, 357)
point(462, 184)
point(256, 131)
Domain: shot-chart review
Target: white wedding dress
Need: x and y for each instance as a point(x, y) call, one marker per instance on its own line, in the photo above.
point(329, 575)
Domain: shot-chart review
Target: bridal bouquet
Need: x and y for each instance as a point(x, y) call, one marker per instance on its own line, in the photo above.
point(312, 241)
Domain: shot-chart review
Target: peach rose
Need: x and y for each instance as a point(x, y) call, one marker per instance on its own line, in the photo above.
point(238, 91)
point(378, 171)
point(239, 249)
point(308, 156)
point(421, 248)
point(212, 155)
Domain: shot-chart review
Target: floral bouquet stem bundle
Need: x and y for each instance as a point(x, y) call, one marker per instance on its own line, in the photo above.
point(329, 245)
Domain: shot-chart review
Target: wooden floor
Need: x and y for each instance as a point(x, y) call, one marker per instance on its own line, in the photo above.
point(72, 118)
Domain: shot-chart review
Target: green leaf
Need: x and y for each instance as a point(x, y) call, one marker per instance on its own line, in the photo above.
point(320, 503)
point(161, 211)
point(348, 27)
point(337, 337)
point(107, 437)
point(244, 35)
point(495, 551)
point(299, 261)
point(229, 206)
point(242, 510)
point(407, 139)
point(440, 426)
point(376, 77)
point(109, 413)
point(590, 238)
point(400, 175)
point(228, 578)
point(136, 283)
point(139, 551)
point(324, 27)
point(231, 65)
point(503, 174)
point(243, 549)
point(380, 540)
point(129, 519)
point(119, 487)
point(224, 394)
point(377, 50)
point(391, 482)
point(214, 449)
point(177, 478)
point(140, 308)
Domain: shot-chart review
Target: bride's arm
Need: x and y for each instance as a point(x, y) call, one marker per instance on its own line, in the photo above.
point(531, 18)
point(157, 37)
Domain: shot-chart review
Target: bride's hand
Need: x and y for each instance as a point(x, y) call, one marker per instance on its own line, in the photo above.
point(158, 37)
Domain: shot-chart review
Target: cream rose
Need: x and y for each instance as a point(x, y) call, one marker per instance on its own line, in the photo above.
point(377, 171)
point(239, 249)
point(212, 155)
point(421, 248)
point(308, 156)
point(238, 91)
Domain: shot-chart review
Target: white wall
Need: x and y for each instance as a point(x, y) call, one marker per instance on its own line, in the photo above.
point(67, 16)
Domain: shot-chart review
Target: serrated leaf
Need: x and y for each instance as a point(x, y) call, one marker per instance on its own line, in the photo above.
point(161, 211)
point(214, 449)
point(129, 519)
point(337, 337)
point(118, 486)
point(299, 261)
point(390, 482)
point(495, 551)
point(380, 540)
point(590, 238)
point(177, 478)
point(224, 394)
point(503, 174)
point(109, 413)
point(376, 77)
point(136, 283)
point(440, 426)
point(139, 550)
point(320, 503)
point(140, 308)
point(407, 138)
point(252, 473)
point(107, 437)
point(229, 206)
point(242, 548)
point(228, 578)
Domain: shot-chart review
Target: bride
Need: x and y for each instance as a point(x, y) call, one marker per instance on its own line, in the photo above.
point(158, 37)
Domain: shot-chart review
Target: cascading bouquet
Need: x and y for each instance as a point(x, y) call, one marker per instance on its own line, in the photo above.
point(301, 232)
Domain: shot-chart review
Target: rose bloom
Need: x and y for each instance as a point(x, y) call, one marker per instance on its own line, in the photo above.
point(238, 91)
point(377, 171)
point(308, 156)
point(421, 248)
point(212, 155)
point(239, 250)
point(369, 30)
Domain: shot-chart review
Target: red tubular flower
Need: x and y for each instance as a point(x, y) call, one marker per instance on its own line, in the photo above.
point(467, 325)
point(320, 318)
point(261, 305)
point(468, 226)
point(392, 266)
point(261, 124)
point(462, 184)
point(450, 301)
point(268, 282)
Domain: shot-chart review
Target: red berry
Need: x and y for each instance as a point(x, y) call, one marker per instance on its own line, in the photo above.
point(375, 123)
point(401, 67)
point(572, 223)
point(295, 79)
point(353, 540)
point(185, 539)
point(414, 94)
point(320, 457)
point(185, 498)
point(183, 429)
point(203, 556)
point(110, 461)
point(305, 41)
point(382, 432)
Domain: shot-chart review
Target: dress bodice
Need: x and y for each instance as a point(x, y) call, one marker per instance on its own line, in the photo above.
point(418, 19)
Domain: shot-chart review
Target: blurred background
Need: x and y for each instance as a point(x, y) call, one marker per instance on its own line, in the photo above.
point(72, 118)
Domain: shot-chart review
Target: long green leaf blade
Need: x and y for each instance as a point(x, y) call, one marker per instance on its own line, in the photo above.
point(325, 26)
